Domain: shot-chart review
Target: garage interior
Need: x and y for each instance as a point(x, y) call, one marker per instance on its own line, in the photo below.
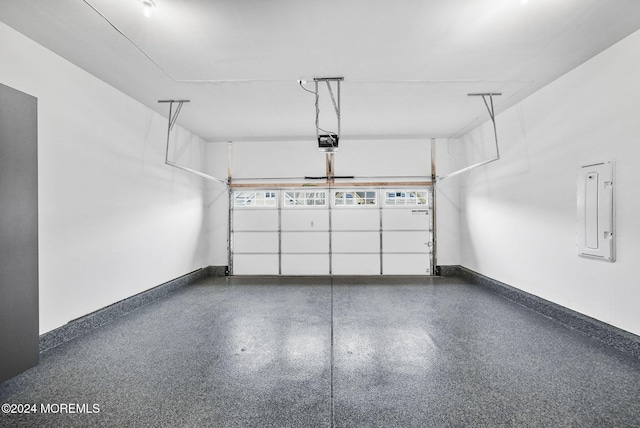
point(319, 214)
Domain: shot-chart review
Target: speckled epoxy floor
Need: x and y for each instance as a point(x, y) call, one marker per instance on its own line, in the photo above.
point(347, 352)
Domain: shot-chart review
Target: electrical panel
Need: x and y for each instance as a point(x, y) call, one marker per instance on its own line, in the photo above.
point(596, 211)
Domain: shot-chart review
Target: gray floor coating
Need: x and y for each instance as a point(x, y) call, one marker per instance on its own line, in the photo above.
point(312, 352)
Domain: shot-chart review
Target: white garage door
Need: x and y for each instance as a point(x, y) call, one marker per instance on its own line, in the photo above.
point(331, 231)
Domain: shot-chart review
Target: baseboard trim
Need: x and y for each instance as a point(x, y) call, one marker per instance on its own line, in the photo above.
point(85, 324)
point(612, 336)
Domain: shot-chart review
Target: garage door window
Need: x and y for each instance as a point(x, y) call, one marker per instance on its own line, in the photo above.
point(353, 198)
point(405, 197)
point(255, 199)
point(305, 199)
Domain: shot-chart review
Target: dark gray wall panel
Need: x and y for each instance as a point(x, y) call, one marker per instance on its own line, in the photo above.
point(18, 232)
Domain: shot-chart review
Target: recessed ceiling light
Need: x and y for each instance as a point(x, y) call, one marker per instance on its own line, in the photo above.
point(147, 7)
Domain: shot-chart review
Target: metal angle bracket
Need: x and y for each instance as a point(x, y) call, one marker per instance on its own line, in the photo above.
point(173, 117)
point(492, 115)
point(491, 111)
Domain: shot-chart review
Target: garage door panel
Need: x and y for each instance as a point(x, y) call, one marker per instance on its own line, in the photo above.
point(355, 242)
point(305, 219)
point(257, 219)
point(305, 264)
point(255, 242)
point(255, 264)
point(355, 264)
point(305, 242)
point(405, 264)
point(405, 219)
point(350, 219)
point(405, 242)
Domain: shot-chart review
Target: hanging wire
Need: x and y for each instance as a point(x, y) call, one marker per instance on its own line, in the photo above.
point(317, 105)
point(302, 86)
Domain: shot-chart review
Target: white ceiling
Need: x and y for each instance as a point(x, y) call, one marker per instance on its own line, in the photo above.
point(408, 65)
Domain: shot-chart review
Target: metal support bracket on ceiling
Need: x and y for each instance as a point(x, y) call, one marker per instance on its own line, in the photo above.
point(328, 141)
point(492, 115)
point(173, 116)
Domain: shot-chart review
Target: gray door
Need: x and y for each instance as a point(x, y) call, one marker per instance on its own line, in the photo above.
point(19, 331)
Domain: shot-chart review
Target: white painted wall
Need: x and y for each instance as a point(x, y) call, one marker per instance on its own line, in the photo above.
point(113, 219)
point(448, 159)
point(217, 200)
point(518, 221)
point(359, 158)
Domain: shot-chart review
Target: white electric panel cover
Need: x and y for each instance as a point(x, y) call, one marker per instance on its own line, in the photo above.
point(595, 218)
